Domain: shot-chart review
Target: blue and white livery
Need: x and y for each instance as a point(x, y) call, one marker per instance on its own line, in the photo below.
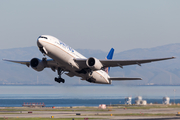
point(66, 59)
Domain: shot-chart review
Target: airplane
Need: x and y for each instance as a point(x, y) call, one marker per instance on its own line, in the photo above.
point(66, 59)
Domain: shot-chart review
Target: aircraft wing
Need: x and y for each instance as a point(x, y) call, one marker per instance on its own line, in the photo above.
point(113, 78)
point(50, 62)
point(20, 62)
point(120, 63)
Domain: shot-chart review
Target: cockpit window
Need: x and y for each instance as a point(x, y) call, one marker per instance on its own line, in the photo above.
point(43, 37)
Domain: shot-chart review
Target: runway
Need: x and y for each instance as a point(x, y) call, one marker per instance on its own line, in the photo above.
point(91, 112)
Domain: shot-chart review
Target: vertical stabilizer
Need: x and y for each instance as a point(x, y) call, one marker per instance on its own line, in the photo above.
point(109, 57)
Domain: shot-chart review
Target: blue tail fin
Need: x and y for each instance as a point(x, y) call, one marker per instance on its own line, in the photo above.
point(109, 57)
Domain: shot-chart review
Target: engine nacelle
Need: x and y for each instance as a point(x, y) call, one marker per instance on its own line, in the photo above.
point(94, 63)
point(37, 64)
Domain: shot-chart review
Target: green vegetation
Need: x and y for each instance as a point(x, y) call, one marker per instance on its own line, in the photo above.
point(53, 109)
point(144, 106)
point(93, 111)
point(151, 106)
point(44, 118)
point(137, 114)
point(77, 109)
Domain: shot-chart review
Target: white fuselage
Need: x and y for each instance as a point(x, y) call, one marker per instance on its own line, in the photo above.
point(65, 56)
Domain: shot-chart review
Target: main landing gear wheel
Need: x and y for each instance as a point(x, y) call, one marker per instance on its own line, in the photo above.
point(59, 79)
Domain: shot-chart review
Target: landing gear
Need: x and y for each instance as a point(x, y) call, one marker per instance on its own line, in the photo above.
point(59, 79)
point(44, 59)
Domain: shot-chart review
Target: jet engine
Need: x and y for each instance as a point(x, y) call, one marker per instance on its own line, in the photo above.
point(94, 63)
point(37, 64)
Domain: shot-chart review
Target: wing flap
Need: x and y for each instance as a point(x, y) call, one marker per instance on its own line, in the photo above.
point(123, 78)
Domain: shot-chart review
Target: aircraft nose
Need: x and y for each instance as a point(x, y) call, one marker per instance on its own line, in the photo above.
point(41, 46)
point(39, 43)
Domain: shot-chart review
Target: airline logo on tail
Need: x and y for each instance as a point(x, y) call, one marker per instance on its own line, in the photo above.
point(109, 57)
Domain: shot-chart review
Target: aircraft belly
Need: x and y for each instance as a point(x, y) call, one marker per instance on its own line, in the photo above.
point(99, 78)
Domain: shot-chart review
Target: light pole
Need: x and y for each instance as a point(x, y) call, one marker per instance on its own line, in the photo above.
point(174, 95)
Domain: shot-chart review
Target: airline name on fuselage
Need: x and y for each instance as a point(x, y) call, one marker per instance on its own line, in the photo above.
point(64, 46)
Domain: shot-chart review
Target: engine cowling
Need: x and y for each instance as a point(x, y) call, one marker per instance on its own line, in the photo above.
point(94, 63)
point(37, 64)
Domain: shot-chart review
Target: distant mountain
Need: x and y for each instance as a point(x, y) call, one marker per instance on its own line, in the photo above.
point(157, 73)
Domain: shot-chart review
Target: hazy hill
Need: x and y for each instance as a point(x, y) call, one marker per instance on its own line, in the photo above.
point(161, 73)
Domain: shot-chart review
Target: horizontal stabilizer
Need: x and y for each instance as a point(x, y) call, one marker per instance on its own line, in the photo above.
point(125, 78)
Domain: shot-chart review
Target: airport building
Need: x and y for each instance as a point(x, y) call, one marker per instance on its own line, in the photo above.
point(139, 101)
point(128, 100)
point(166, 100)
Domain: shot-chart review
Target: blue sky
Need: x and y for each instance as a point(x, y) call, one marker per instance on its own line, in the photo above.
point(93, 24)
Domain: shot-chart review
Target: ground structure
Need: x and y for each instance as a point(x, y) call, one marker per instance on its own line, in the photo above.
point(155, 112)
